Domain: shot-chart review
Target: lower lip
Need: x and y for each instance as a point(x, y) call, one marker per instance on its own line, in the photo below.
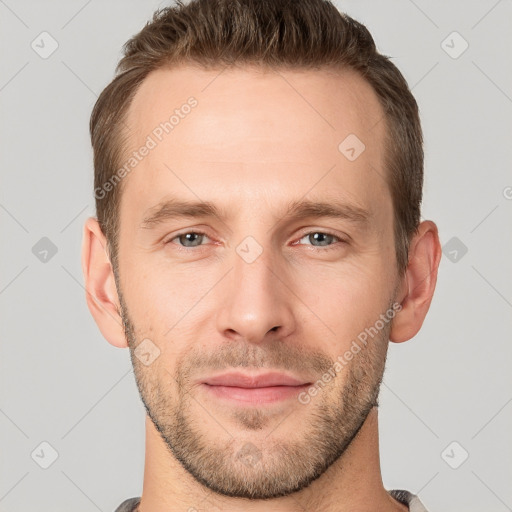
point(255, 395)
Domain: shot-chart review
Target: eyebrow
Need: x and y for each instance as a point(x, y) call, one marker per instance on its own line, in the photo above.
point(296, 210)
point(174, 208)
point(336, 210)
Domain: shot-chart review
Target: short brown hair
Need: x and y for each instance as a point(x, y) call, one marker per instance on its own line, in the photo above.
point(305, 34)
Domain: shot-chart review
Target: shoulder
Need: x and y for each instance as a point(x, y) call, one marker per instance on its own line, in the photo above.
point(129, 505)
point(408, 498)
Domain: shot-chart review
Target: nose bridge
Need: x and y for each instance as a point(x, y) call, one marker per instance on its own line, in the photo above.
point(254, 268)
point(255, 300)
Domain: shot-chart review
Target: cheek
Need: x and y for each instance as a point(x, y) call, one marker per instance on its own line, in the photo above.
point(166, 301)
point(347, 303)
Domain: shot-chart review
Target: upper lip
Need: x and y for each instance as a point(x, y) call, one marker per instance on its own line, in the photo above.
point(262, 380)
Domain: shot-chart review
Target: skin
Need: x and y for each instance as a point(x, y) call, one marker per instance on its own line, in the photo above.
point(257, 140)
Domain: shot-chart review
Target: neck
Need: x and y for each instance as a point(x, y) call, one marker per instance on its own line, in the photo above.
point(353, 482)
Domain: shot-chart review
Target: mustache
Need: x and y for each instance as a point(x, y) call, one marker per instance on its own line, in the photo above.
point(274, 355)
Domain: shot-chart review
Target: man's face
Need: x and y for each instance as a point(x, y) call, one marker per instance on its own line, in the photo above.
point(256, 287)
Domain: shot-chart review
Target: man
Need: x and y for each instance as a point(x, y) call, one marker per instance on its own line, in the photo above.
point(258, 180)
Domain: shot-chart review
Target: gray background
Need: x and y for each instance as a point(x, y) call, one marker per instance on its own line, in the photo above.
point(63, 384)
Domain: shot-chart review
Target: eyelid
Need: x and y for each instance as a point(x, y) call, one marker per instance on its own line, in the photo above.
point(328, 231)
point(325, 231)
point(340, 238)
point(170, 238)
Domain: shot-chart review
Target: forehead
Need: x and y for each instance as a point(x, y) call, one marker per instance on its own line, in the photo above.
point(253, 100)
point(253, 129)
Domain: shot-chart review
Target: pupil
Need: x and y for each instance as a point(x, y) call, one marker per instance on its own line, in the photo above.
point(323, 238)
point(190, 237)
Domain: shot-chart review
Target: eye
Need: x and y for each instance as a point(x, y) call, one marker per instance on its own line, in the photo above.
point(189, 239)
point(320, 239)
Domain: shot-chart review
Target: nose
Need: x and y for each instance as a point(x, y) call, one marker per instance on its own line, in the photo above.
point(255, 301)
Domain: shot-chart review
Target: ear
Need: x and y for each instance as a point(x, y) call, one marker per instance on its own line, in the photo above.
point(418, 283)
point(101, 292)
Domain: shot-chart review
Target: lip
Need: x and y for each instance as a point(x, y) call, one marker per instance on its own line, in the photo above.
point(262, 380)
point(254, 389)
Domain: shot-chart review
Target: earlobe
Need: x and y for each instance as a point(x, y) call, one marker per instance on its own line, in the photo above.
point(101, 292)
point(418, 283)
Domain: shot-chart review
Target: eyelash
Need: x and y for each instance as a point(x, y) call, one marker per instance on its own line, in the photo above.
point(334, 245)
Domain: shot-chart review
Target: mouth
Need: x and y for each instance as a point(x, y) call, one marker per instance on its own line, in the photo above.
point(255, 389)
